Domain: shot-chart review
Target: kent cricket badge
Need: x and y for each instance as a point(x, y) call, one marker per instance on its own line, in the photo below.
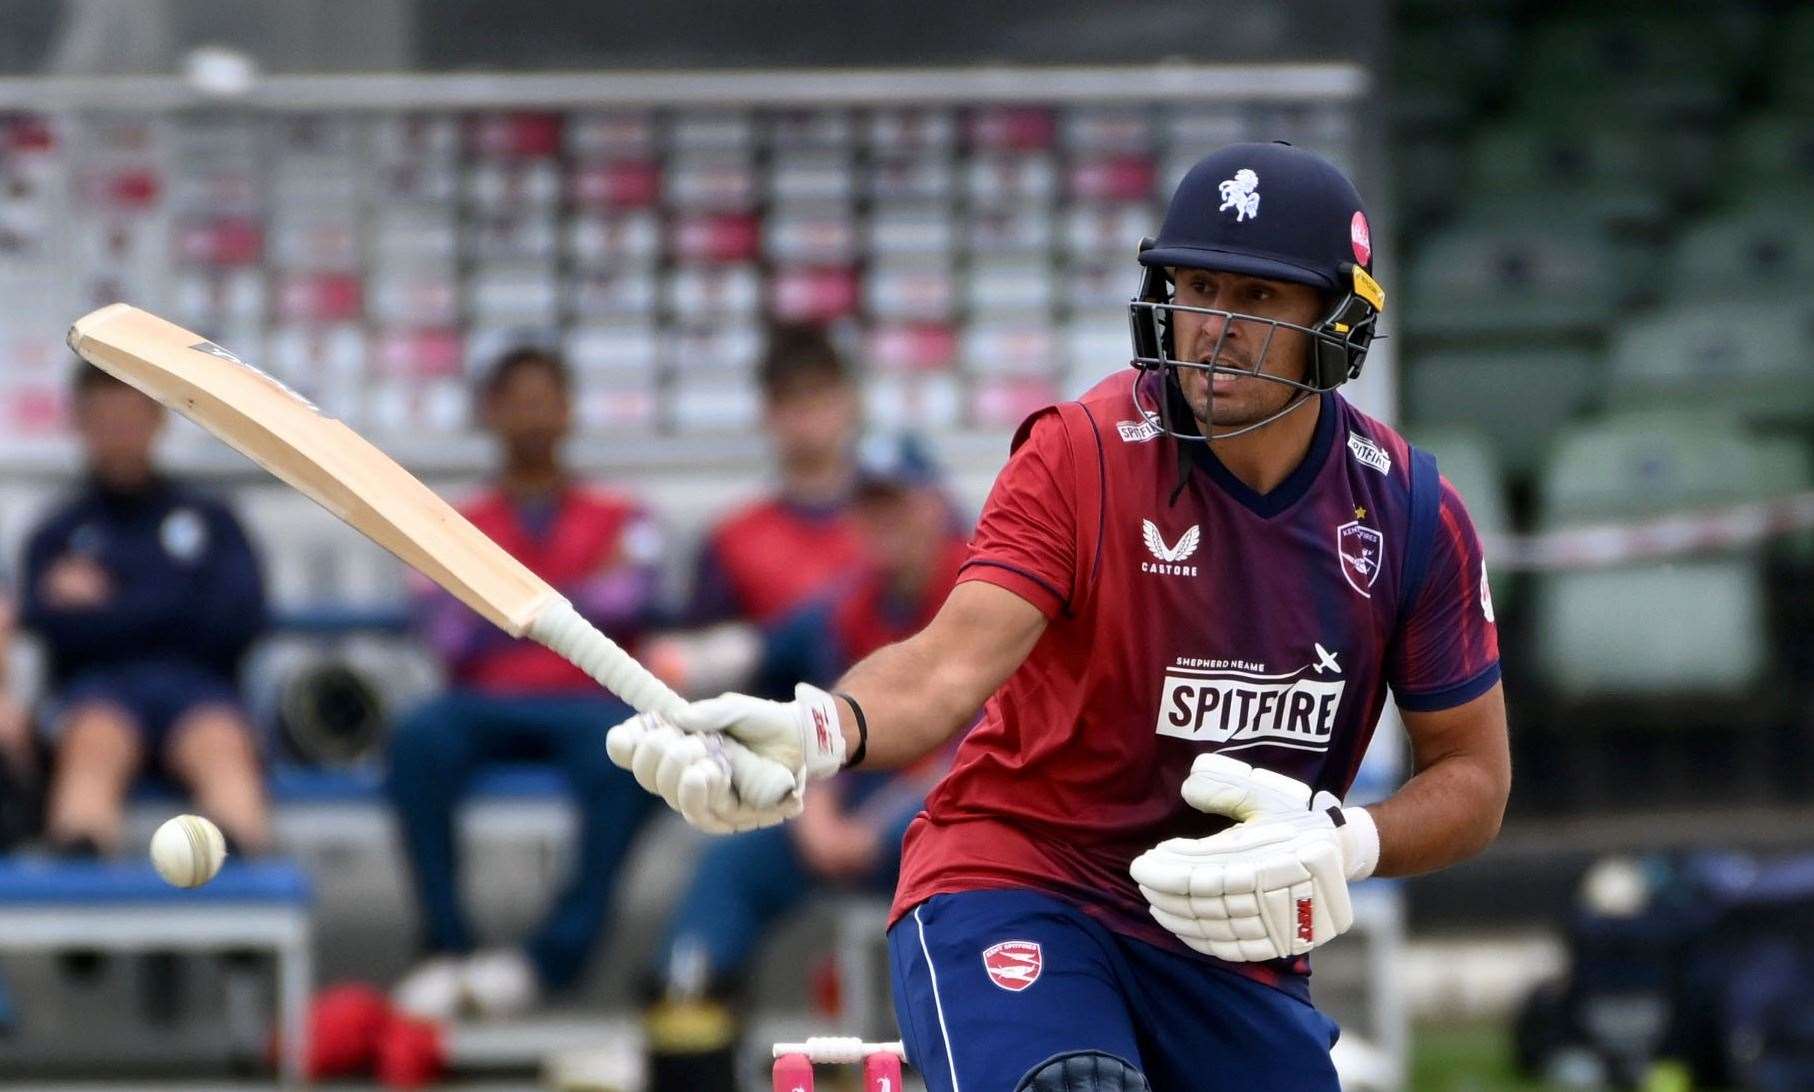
point(1361, 549)
point(1013, 964)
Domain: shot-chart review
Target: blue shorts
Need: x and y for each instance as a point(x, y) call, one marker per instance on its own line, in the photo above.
point(989, 984)
point(155, 694)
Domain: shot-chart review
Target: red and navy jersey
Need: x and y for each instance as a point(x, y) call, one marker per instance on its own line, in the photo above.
point(769, 557)
point(600, 550)
point(1268, 626)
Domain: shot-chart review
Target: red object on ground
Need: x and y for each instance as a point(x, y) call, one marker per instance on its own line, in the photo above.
point(825, 987)
point(882, 1073)
point(793, 1073)
point(410, 1053)
point(344, 1025)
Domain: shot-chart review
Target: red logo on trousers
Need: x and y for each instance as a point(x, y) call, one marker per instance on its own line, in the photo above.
point(1013, 964)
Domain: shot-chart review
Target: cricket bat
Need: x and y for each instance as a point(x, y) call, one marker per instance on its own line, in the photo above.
point(338, 469)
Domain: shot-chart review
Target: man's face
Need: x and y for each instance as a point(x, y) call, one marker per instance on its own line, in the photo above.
point(118, 427)
point(530, 414)
point(1240, 400)
point(812, 423)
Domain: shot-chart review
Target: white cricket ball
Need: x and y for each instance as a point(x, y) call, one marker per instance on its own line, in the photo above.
point(187, 851)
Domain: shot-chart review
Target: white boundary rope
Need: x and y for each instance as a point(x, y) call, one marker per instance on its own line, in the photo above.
point(1678, 534)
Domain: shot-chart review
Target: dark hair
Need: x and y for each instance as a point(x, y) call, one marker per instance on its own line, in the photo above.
point(797, 352)
point(525, 356)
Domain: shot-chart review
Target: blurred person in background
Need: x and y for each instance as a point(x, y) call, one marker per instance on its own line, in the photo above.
point(513, 700)
point(847, 838)
point(20, 775)
point(771, 555)
point(145, 594)
point(21, 769)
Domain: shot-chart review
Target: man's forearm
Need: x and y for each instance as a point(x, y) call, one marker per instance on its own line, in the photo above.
point(1445, 814)
point(909, 702)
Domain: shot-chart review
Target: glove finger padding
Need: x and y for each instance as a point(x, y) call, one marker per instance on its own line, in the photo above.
point(761, 783)
point(1220, 785)
point(621, 740)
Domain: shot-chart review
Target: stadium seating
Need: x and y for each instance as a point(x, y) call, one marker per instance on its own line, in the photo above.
point(1637, 61)
point(1793, 71)
point(1763, 249)
point(56, 905)
point(1610, 176)
point(1676, 627)
point(1518, 398)
point(1753, 358)
point(1507, 275)
point(1772, 152)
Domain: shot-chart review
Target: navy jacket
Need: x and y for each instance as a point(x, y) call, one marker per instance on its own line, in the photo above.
point(186, 583)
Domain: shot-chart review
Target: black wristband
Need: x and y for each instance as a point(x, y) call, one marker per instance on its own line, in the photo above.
point(856, 756)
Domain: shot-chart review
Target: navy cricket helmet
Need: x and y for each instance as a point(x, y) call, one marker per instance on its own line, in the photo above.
point(1271, 211)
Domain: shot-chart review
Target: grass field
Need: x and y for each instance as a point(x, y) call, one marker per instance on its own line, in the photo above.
point(1468, 1057)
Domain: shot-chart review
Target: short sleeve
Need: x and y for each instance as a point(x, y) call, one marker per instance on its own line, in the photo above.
point(1446, 652)
point(1026, 538)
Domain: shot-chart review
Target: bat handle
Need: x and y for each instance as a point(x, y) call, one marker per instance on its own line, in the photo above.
point(561, 628)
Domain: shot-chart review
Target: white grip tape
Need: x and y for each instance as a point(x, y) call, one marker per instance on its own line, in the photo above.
point(560, 627)
point(838, 1049)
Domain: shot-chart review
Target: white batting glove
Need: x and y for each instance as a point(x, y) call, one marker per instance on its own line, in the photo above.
point(697, 775)
point(801, 737)
point(1273, 885)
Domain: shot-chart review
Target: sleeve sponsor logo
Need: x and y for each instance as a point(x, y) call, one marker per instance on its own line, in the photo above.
point(1233, 704)
point(1486, 595)
point(1137, 432)
point(1368, 453)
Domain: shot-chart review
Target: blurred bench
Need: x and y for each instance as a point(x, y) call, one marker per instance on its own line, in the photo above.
point(57, 905)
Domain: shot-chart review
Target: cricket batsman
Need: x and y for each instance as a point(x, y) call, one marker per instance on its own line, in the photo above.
point(1183, 605)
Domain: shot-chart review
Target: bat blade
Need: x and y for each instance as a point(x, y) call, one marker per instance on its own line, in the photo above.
point(315, 454)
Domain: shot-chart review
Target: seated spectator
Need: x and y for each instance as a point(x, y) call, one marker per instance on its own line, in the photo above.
point(145, 594)
point(19, 778)
point(771, 555)
point(21, 789)
point(850, 834)
point(510, 700)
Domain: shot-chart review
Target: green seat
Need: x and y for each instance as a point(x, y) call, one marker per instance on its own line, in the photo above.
point(1760, 249)
point(1773, 152)
point(1753, 358)
point(1506, 275)
point(1660, 66)
point(1611, 175)
point(1670, 628)
point(1519, 399)
point(1794, 68)
point(1427, 171)
point(1441, 67)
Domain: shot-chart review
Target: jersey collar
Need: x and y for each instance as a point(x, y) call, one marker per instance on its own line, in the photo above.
point(1295, 485)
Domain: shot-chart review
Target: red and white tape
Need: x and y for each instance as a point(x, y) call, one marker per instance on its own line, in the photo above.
point(881, 1062)
point(1679, 534)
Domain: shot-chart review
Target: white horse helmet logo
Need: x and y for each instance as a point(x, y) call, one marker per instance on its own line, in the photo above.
point(1241, 193)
